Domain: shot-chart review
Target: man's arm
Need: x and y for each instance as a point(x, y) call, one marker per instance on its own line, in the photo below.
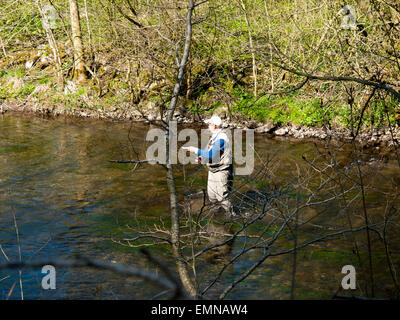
point(216, 149)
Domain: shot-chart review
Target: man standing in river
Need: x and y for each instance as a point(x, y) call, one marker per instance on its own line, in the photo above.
point(218, 157)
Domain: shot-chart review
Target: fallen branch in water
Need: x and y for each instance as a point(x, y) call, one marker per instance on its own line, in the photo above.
point(137, 162)
point(80, 261)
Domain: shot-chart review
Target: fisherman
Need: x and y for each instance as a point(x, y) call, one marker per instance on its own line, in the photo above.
point(218, 158)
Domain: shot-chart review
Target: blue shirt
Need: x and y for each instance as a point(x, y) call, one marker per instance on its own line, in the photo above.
point(217, 149)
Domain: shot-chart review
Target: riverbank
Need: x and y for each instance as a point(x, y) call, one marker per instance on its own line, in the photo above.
point(375, 138)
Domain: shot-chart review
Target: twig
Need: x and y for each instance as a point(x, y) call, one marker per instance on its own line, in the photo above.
point(20, 256)
point(5, 256)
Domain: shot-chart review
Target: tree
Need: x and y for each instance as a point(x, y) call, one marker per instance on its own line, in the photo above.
point(79, 63)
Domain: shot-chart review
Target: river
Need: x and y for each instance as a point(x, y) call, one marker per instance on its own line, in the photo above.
point(67, 199)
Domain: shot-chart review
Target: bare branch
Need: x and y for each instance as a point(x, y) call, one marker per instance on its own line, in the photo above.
point(81, 262)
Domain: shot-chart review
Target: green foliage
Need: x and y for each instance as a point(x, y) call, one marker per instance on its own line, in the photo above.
point(4, 93)
point(376, 115)
point(220, 60)
point(80, 91)
point(23, 92)
point(22, 21)
point(44, 80)
point(18, 72)
point(291, 108)
point(342, 115)
point(67, 65)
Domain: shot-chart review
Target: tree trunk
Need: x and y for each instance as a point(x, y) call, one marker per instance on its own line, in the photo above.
point(79, 65)
point(253, 56)
point(183, 271)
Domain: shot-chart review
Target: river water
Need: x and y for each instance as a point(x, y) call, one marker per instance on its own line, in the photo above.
point(66, 198)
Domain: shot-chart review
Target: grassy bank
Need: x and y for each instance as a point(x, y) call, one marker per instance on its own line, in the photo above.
point(297, 108)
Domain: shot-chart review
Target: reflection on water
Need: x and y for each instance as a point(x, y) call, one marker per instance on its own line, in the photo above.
point(68, 199)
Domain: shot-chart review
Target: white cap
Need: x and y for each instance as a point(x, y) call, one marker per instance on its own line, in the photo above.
point(215, 120)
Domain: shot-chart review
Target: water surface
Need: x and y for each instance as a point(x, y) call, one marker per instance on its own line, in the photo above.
point(68, 199)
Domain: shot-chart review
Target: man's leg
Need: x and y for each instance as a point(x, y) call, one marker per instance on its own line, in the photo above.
point(219, 187)
point(212, 188)
point(226, 179)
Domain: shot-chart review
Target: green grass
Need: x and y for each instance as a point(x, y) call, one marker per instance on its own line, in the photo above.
point(44, 80)
point(4, 93)
point(300, 109)
point(25, 91)
point(288, 109)
point(18, 72)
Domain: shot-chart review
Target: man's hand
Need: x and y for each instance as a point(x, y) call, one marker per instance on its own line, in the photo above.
point(191, 149)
